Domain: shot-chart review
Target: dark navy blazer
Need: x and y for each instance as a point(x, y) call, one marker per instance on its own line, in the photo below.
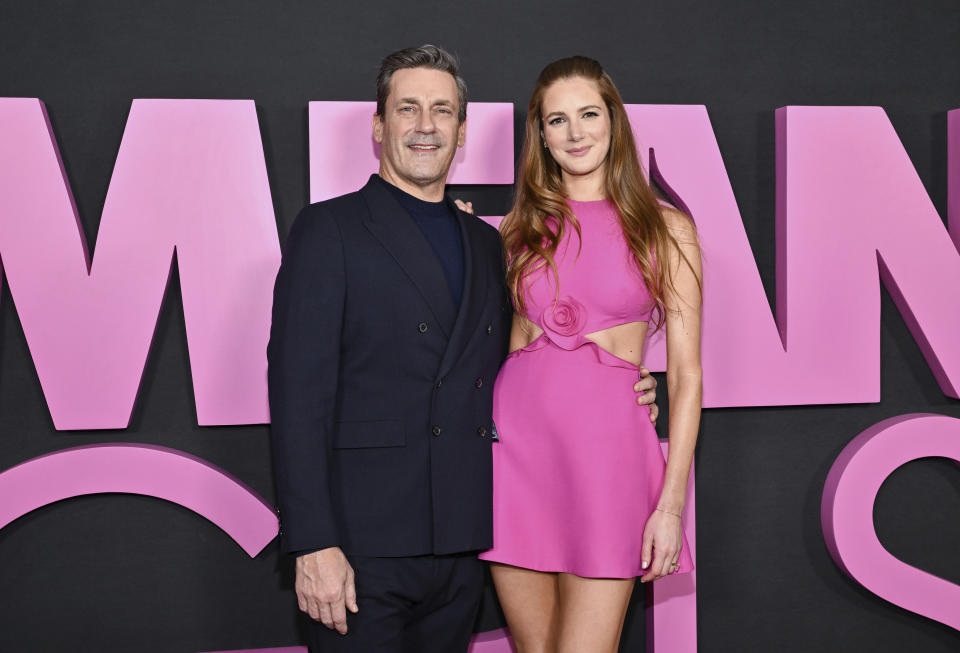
point(380, 389)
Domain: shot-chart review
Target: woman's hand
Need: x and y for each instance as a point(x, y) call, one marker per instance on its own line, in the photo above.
point(466, 207)
point(662, 539)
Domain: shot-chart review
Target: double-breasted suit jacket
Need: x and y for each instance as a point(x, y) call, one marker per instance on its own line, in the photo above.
point(380, 389)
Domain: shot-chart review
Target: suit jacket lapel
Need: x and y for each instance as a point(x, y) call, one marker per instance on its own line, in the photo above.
point(390, 223)
point(474, 289)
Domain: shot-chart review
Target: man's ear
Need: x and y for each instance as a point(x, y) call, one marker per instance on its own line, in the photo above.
point(377, 124)
point(461, 133)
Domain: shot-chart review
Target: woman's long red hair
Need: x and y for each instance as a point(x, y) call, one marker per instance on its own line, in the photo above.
point(531, 235)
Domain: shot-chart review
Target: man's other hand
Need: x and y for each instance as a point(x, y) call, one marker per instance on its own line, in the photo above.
point(647, 387)
point(325, 588)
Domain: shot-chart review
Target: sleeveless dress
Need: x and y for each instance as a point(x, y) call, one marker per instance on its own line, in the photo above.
point(578, 468)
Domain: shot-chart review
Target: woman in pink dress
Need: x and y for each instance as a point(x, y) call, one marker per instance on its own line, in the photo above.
point(584, 502)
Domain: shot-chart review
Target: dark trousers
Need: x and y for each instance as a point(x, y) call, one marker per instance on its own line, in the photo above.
point(420, 604)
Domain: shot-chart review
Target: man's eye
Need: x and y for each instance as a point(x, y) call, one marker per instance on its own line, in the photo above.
point(407, 109)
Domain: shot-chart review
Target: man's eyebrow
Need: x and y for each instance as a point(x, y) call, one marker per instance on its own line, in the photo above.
point(409, 100)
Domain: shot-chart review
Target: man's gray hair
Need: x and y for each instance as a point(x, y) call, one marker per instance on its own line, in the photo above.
point(426, 56)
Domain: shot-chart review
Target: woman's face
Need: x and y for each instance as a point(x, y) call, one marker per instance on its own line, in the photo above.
point(576, 126)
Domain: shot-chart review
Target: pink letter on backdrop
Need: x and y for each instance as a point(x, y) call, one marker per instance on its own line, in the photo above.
point(846, 512)
point(672, 619)
point(190, 176)
point(850, 208)
point(343, 153)
point(140, 469)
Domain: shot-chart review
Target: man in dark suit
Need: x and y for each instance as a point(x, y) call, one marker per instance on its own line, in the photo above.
point(390, 321)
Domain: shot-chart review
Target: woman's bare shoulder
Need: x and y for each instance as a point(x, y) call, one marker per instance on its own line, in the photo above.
point(678, 222)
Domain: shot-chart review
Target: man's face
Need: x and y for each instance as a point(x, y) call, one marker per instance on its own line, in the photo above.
point(419, 131)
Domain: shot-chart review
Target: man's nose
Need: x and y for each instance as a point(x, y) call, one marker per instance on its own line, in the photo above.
point(425, 122)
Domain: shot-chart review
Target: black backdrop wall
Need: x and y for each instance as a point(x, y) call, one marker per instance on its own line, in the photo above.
point(124, 573)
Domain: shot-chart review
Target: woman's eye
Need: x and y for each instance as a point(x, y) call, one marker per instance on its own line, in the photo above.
point(591, 114)
point(555, 121)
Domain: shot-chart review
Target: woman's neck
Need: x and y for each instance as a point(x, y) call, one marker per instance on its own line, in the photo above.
point(584, 188)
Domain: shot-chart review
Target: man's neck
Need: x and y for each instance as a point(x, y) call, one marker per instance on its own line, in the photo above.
point(432, 192)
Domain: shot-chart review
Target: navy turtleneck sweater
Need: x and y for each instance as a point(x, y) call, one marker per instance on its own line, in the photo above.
point(442, 230)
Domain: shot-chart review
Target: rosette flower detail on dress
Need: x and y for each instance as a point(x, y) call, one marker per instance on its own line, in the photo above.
point(564, 321)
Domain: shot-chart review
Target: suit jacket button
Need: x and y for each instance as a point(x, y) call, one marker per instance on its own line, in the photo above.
point(482, 431)
point(489, 329)
point(439, 383)
point(436, 430)
point(423, 327)
point(479, 383)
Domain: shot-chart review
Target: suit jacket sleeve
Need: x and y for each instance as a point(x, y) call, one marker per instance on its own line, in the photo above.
point(303, 362)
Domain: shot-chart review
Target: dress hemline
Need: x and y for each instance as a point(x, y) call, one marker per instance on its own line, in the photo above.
point(565, 569)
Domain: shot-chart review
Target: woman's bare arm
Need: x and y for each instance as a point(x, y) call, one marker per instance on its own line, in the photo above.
point(685, 390)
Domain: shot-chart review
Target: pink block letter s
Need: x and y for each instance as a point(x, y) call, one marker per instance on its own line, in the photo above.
point(847, 512)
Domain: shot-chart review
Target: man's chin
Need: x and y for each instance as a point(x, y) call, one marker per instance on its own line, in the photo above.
point(427, 177)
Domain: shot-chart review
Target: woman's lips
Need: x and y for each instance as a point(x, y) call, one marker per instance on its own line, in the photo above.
point(579, 151)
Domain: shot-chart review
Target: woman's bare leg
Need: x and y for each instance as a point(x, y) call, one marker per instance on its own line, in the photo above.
point(591, 613)
point(530, 603)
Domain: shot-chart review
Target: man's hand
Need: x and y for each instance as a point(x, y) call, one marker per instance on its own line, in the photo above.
point(325, 588)
point(647, 387)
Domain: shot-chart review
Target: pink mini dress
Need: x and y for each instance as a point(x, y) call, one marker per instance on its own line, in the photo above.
point(578, 469)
